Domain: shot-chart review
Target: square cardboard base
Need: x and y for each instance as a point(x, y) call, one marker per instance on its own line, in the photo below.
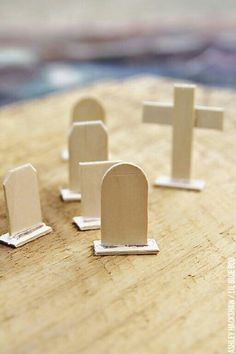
point(192, 184)
point(69, 196)
point(102, 250)
point(22, 238)
point(87, 223)
point(64, 154)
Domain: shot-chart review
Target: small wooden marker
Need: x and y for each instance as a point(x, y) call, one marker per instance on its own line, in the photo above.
point(86, 109)
point(88, 141)
point(23, 207)
point(91, 175)
point(124, 215)
point(184, 116)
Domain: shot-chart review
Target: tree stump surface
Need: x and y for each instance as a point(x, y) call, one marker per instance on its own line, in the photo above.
point(56, 297)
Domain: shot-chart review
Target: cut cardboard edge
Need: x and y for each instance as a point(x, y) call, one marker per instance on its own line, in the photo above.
point(87, 223)
point(103, 250)
point(17, 240)
point(192, 184)
point(69, 196)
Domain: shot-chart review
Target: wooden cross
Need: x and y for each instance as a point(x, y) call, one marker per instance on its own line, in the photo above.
point(184, 116)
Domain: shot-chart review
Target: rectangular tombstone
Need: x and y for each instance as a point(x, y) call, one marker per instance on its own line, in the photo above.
point(88, 141)
point(91, 175)
point(23, 207)
point(91, 181)
point(22, 199)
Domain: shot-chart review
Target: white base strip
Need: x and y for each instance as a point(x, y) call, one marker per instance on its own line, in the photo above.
point(22, 238)
point(192, 184)
point(103, 250)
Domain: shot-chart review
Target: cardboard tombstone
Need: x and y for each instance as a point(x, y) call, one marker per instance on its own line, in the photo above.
point(124, 213)
point(23, 207)
point(88, 141)
point(91, 175)
point(184, 115)
point(86, 109)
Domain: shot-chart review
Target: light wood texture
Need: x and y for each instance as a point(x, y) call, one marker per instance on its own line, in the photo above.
point(57, 298)
point(22, 199)
point(162, 113)
point(91, 175)
point(124, 199)
point(183, 123)
point(88, 108)
point(184, 116)
point(85, 109)
point(158, 113)
point(209, 118)
point(88, 141)
point(23, 207)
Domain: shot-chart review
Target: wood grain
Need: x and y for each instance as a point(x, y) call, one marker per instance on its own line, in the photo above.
point(22, 199)
point(124, 206)
point(91, 176)
point(56, 297)
point(183, 124)
point(86, 109)
point(88, 141)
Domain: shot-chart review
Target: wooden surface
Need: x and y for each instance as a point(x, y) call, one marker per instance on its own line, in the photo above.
point(56, 297)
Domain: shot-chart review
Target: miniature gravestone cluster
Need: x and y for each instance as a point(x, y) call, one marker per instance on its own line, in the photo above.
point(113, 194)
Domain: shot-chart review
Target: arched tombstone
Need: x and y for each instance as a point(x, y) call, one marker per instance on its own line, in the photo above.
point(23, 207)
point(86, 109)
point(124, 213)
point(91, 175)
point(88, 141)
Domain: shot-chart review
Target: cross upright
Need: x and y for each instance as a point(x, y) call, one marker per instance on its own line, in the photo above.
point(183, 115)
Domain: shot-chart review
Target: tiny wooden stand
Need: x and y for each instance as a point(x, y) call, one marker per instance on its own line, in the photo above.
point(192, 184)
point(21, 238)
point(68, 195)
point(87, 223)
point(184, 116)
point(124, 214)
point(86, 109)
point(103, 250)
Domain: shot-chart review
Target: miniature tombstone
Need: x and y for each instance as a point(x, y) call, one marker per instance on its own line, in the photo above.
point(184, 116)
point(86, 109)
point(124, 214)
point(91, 175)
point(23, 207)
point(88, 141)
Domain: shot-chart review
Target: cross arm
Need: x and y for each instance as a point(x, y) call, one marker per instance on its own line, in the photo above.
point(158, 113)
point(210, 118)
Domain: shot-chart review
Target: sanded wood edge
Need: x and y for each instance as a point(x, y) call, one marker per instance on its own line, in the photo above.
point(156, 112)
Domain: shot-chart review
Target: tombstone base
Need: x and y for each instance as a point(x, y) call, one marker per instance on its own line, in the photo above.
point(64, 154)
point(103, 250)
point(87, 223)
point(69, 196)
point(191, 184)
point(25, 237)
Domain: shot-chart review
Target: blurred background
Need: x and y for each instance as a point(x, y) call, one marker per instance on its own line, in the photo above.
point(48, 45)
